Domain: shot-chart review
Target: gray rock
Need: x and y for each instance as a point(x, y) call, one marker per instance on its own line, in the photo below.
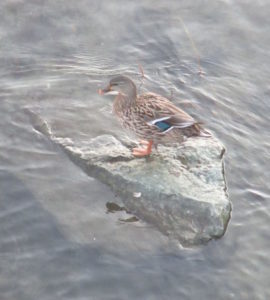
point(180, 190)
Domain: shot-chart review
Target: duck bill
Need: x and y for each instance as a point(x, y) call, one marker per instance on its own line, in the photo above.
point(107, 91)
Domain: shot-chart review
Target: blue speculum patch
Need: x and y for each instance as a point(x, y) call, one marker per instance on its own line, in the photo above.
point(162, 125)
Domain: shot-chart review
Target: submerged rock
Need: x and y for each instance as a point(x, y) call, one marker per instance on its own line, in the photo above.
point(180, 190)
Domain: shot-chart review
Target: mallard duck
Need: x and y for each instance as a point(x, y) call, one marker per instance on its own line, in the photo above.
point(153, 118)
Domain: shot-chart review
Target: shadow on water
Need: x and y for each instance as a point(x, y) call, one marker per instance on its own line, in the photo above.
point(35, 253)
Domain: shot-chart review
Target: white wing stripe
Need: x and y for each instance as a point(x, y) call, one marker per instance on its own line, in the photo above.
point(153, 122)
point(179, 125)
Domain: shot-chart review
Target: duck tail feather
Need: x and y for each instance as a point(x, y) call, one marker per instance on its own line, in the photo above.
point(205, 133)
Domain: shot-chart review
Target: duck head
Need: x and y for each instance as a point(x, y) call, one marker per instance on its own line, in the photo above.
point(120, 85)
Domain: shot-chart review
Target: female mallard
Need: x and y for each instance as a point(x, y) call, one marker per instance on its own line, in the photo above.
point(153, 118)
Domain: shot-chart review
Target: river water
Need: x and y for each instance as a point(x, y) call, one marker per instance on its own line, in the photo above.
point(57, 238)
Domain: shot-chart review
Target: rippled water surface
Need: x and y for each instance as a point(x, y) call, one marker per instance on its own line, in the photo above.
point(57, 240)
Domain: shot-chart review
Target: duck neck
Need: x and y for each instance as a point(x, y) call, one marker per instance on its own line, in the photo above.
point(124, 102)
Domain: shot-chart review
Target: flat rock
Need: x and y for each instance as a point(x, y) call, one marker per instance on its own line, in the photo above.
point(181, 189)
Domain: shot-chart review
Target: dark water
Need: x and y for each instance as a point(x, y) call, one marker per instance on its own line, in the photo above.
point(57, 240)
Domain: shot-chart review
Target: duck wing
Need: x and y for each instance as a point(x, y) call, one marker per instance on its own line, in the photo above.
point(162, 113)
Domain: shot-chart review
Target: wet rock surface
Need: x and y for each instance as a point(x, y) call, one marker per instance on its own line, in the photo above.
point(181, 189)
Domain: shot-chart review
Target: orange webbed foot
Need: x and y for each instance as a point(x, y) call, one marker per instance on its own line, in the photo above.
point(141, 152)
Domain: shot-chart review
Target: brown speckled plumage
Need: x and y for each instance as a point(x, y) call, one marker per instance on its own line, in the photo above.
point(142, 113)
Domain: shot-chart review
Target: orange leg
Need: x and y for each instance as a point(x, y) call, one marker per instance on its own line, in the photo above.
point(140, 152)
